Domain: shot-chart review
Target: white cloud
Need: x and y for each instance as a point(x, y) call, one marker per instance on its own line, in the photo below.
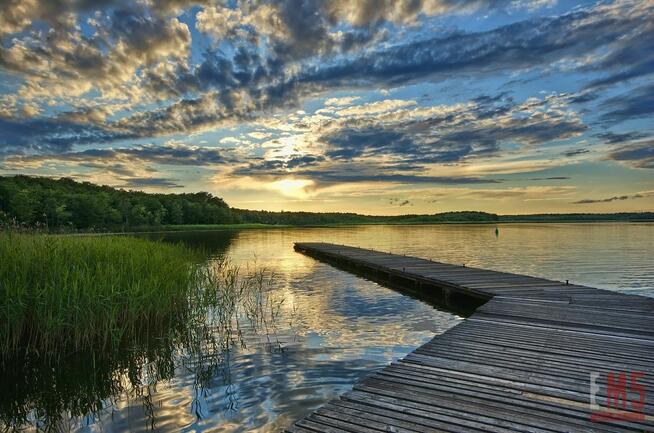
point(259, 135)
point(339, 102)
point(376, 107)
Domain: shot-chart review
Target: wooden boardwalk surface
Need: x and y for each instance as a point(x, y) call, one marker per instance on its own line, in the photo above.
point(521, 362)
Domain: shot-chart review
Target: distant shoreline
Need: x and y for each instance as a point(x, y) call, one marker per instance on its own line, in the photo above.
point(66, 206)
point(260, 226)
point(218, 227)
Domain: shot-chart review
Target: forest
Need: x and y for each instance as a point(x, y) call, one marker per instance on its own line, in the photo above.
point(45, 202)
point(67, 205)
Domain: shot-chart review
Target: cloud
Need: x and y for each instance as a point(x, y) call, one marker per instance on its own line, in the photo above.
point(619, 137)
point(442, 144)
point(63, 62)
point(399, 202)
point(551, 178)
point(639, 154)
point(328, 176)
point(532, 5)
point(614, 198)
point(149, 182)
point(137, 54)
point(634, 104)
point(576, 152)
point(187, 115)
point(174, 154)
point(523, 44)
point(372, 12)
point(340, 102)
point(267, 166)
point(629, 57)
point(133, 167)
point(377, 107)
point(325, 172)
point(525, 193)
point(460, 52)
point(43, 134)
point(19, 14)
point(450, 134)
point(295, 30)
point(259, 135)
point(465, 194)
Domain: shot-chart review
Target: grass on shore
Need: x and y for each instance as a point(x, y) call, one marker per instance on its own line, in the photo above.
point(77, 292)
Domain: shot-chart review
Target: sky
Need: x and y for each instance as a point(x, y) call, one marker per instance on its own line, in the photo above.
point(370, 106)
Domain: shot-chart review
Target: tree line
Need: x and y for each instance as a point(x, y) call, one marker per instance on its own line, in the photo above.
point(59, 203)
point(65, 204)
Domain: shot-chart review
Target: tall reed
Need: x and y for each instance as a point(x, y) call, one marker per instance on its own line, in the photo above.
point(85, 320)
point(72, 291)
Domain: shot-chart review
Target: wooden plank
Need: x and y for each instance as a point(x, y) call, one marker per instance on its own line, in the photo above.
point(522, 362)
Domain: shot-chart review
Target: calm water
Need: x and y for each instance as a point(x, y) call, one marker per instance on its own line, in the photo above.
point(331, 328)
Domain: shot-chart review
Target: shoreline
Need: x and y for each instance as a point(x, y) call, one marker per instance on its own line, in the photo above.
point(224, 227)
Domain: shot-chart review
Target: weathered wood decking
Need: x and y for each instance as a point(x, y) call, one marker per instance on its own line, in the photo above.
point(521, 362)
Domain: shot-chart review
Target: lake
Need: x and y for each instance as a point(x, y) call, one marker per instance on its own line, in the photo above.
point(320, 329)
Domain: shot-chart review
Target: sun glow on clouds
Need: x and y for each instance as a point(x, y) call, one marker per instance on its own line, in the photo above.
point(292, 188)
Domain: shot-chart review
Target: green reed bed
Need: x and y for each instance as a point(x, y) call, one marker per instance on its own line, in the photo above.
point(74, 291)
point(88, 320)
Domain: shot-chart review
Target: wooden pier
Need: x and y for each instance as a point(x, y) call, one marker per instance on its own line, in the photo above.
point(522, 361)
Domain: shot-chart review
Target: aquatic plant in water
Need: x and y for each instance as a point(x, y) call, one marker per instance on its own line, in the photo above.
point(78, 292)
point(110, 317)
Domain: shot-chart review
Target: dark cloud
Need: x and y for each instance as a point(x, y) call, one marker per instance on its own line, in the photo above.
point(636, 103)
point(262, 165)
point(299, 29)
point(120, 158)
point(576, 152)
point(493, 99)
point(453, 136)
point(610, 199)
point(519, 45)
point(308, 31)
point(399, 202)
point(629, 58)
point(347, 144)
point(149, 182)
point(344, 176)
point(619, 137)
point(42, 134)
point(640, 69)
point(187, 115)
point(639, 154)
point(583, 97)
point(244, 69)
point(324, 171)
point(551, 178)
